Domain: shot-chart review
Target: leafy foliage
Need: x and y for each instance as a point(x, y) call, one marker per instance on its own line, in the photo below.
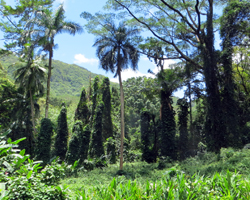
point(84, 140)
point(96, 145)
point(22, 176)
point(82, 112)
point(183, 138)
point(44, 141)
point(62, 134)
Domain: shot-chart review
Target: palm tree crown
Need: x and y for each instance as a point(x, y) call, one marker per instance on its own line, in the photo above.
point(48, 27)
point(116, 50)
point(30, 76)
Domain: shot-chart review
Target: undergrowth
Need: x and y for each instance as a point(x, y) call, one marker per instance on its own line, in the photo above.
point(206, 176)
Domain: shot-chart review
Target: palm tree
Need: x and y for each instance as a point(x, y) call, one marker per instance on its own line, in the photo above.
point(49, 26)
point(30, 76)
point(116, 51)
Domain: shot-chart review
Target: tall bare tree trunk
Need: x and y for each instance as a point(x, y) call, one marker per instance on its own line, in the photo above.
point(48, 84)
point(32, 112)
point(31, 137)
point(122, 119)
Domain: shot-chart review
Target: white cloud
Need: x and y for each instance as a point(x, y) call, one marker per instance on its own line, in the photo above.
point(167, 64)
point(80, 58)
point(129, 73)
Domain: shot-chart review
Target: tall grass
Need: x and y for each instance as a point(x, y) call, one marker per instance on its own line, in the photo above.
point(177, 187)
point(202, 177)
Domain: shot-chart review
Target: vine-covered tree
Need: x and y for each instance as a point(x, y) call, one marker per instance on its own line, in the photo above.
point(74, 143)
point(147, 145)
point(96, 147)
point(234, 25)
point(62, 134)
point(183, 131)
point(95, 96)
point(84, 140)
point(44, 141)
point(170, 80)
point(82, 111)
point(107, 125)
point(107, 128)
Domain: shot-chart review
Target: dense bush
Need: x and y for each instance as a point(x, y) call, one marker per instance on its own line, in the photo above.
point(22, 177)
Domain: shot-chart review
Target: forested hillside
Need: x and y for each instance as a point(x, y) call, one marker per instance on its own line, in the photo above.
point(66, 79)
point(60, 124)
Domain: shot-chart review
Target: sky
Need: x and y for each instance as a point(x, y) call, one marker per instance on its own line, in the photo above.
point(79, 49)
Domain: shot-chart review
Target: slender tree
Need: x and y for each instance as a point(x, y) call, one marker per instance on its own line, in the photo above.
point(84, 140)
point(82, 111)
point(96, 147)
point(48, 27)
point(107, 125)
point(95, 95)
point(62, 134)
point(183, 119)
point(147, 151)
point(233, 31)
point(74, 144)
point(116, 51)
point(30, 75)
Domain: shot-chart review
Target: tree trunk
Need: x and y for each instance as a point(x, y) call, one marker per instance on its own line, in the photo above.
point(32, 113)
point(31, 139)
point(48, 84)
point(122, 118)
point(214, 122)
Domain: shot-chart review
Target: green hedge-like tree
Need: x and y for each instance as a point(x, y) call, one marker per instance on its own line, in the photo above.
point(147, 151)
point(44, 141)
point(96, 148)
point(107, 125)
point(95, 95)
point(82, 111)
point(84, 139)
point(234, 29)
point(74, 144)
point(183, 119)
point(62, 134)
point(168, 141)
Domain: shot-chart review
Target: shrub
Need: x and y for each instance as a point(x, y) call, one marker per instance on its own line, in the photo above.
point(22, 177)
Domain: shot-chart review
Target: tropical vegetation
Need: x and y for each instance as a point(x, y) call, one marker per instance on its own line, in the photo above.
point(195, 147)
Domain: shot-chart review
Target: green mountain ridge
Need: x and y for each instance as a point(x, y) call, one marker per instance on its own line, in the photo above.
point(66, 79)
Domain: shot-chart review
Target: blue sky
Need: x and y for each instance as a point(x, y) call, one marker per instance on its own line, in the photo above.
point(78, 49)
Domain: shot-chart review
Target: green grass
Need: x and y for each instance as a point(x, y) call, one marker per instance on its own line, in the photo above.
point(201, 177)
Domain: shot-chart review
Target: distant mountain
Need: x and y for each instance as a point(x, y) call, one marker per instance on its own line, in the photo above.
point(66, 79)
